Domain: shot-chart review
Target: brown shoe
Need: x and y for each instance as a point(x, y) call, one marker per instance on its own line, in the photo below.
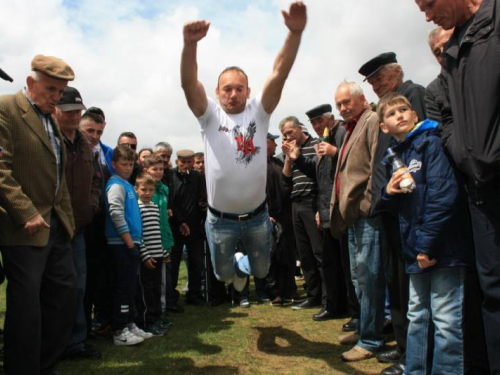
point(357, 354)
point(349, 339)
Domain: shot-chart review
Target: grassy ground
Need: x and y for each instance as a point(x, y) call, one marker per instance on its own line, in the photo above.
point(229, 340)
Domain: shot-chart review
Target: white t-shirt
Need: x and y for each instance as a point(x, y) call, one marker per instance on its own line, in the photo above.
point(235, 156)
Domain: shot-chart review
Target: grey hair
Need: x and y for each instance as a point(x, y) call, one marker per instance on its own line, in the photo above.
point(394, 66)
point(327, 115)
point(354, 88)
point(163, 146)
point(35, 75)
point(295, 122)
point(432, 34)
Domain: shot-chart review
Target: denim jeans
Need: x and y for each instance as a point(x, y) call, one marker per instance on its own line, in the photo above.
point(255, 235)
point(368, 277)
point(79, 333)
point(436, 296)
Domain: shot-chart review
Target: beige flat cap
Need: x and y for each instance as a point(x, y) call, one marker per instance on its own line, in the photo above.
point(53, 67)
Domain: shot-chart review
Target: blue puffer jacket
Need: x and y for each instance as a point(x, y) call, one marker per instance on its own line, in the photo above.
point(434, 218)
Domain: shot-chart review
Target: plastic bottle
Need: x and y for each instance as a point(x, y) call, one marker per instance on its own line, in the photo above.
point(407, 183)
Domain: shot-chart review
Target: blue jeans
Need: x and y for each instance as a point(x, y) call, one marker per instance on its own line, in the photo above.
point(79, 333)
point(436, 296)
point(255, 236)
point(368, 278)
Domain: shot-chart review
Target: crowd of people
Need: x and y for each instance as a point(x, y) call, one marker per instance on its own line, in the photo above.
point(390, 213)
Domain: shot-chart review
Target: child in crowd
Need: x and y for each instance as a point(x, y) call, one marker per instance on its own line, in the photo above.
point(155, 167)
point(152, 256)
point(124, 235)
point(436, 237)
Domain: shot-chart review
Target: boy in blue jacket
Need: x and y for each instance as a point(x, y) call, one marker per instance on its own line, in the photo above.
point(435, 236)
point(124, 235)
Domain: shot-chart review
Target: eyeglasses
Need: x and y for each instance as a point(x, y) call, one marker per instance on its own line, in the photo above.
point(133, 146)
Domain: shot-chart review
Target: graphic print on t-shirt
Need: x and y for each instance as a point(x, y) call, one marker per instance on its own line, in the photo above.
point(246, 149)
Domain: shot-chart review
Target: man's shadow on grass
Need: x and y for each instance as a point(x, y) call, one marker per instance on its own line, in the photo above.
point(284, 342)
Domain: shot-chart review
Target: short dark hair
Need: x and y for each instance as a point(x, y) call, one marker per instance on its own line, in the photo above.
point(94, 117)
point(145, 179)
point(144, 149)
point(199, 155)
point(234, 69)
point(128, 135)
point(124, 153)
point(97, 111)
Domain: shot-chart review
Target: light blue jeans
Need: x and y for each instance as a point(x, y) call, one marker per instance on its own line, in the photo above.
point(255, 236)
point(368, 278)
point(436, 296)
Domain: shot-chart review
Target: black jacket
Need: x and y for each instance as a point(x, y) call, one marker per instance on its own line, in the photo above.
point(187, 201)
point(277, 194)
point(322, 170)
point(434, 100)
point(472, 76)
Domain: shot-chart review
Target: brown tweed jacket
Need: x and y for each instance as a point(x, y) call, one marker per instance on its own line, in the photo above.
point(355, 170)
point(28, 175)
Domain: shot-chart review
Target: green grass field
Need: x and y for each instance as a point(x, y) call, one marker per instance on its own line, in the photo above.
point(262, 339)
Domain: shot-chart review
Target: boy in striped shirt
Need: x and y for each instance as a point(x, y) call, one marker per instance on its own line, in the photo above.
point(152, 256)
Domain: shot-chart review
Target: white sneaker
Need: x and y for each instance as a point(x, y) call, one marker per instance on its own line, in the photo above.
point(126, 338)
point(239, 282)
point(139, 332)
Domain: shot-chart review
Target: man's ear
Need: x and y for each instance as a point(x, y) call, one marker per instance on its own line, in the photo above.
point(248, 93)
point(384, 128)
point(217, 92)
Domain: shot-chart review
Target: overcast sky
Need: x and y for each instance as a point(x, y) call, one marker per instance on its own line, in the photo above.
point(126, 53)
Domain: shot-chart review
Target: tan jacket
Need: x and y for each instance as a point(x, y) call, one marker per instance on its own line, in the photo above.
point(28, 175)
point(355, 170)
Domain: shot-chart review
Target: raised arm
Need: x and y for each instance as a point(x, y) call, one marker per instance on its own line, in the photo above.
point(295, 20)
point(196, 97)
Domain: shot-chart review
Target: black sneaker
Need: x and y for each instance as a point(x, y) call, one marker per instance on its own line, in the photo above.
point(157, 329)
point(165, 322)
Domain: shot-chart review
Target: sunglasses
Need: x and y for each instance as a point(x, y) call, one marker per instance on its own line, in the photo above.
point(131, 145)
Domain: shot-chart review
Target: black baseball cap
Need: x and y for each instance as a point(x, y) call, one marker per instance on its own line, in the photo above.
point(273, 137)
point(71, 100)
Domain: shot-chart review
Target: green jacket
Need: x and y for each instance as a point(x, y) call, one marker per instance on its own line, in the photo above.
point(160, 198)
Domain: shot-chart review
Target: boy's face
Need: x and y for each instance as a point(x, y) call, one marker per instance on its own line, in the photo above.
point(399, 121)
point(185, 164)
point(145, 192)
point(123, 168)
point(156, 170)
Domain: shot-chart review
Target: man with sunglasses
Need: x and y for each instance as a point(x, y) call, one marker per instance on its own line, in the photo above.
point(130, 140)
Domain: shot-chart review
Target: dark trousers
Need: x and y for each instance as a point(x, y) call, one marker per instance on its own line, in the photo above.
point(310, 246)
point(352, 299)
point(281, 278)
point(100, 274)
point(41, 303)
point(194, 245)
point(148, 298)
point(79, 333)
point(126, 264)
point(398, 282)
point(484, 206)
point(335, 296)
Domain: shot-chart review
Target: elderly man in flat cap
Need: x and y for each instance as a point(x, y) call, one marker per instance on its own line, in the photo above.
point(189, 199)
point(385, 75)
point(36, 223)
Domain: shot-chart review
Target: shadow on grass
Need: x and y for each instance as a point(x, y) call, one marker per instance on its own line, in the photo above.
point(284, 342)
